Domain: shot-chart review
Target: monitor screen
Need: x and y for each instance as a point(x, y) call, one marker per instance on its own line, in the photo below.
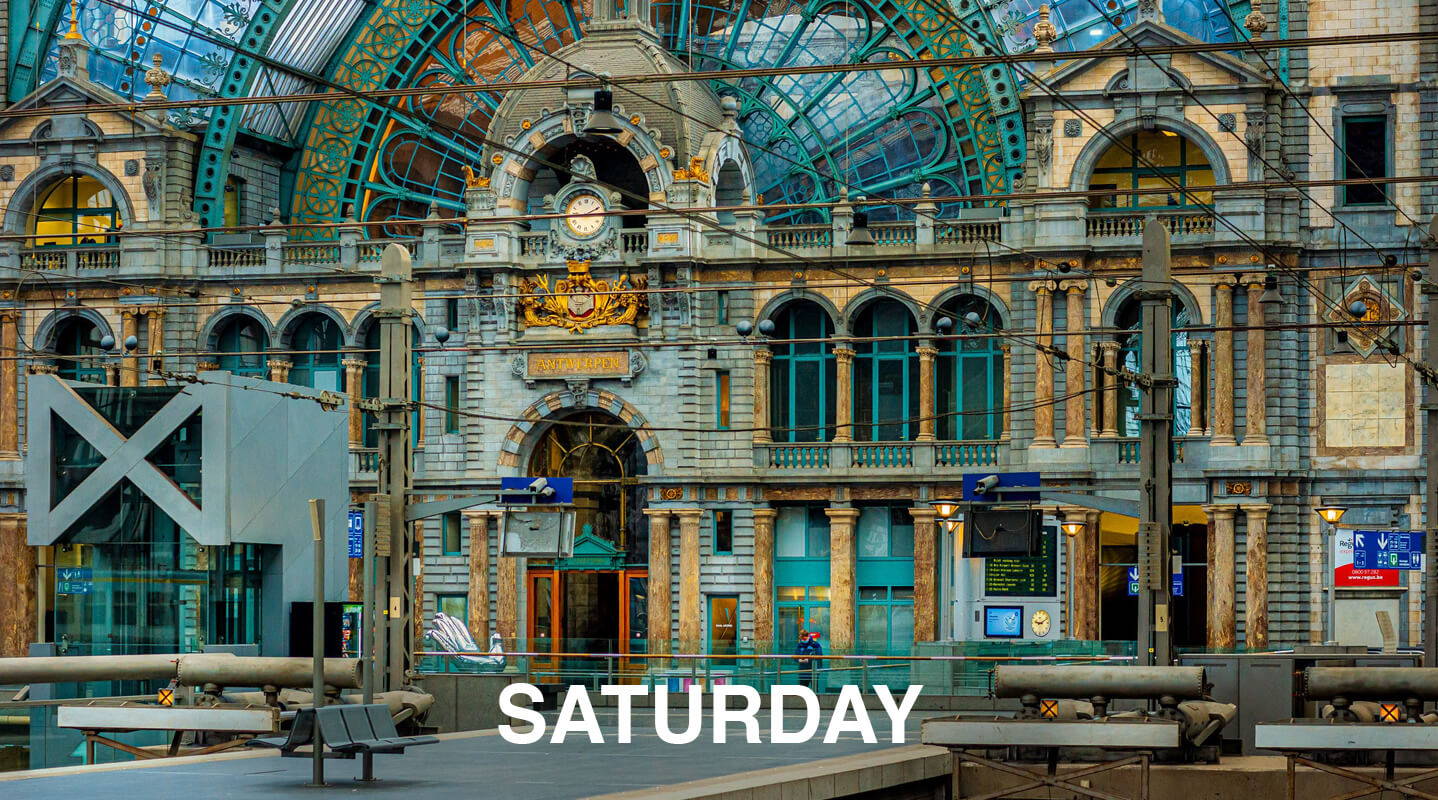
point(1004, 622)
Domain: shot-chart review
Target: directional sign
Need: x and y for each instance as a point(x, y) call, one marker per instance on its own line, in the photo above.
point(1344, 573)
point(74, 580)
point(1388, 550)
point(356, 534)
point(563, 491)
point(1175, 588)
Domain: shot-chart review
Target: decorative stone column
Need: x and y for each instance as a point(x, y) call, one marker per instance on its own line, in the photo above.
point(354, 383)
point(478, 621)
point(841, 578)
point(417, 531)
point(843, 394)
point(279, 370)
point(1256, 432)
point(1223, 366)
point(129, 326)
point(763, 357)
point(9, 386)
point(1043, 366)
point(1221, 622)
point(1255, 618)
point(1074, 368)
point(764, 578)
point(1198, 361)
point(691, 632)
point(112, 374)
point(18, 593)
point(506, 598)
point(1083, 580)
point(926, 578)
point(927, 422)
point(155, 347)
point(1006, 416)
point(661, 632)
point(1109, 352)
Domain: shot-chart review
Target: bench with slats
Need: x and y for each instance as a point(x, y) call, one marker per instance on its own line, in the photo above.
point(346, 730)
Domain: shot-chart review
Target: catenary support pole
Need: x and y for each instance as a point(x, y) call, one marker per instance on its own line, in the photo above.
point(317, 638)
point(1155, 447)
point(369, 628)
point(394, 541)
point(1430, 411)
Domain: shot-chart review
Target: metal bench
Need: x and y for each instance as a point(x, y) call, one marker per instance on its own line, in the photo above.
point(353, 730)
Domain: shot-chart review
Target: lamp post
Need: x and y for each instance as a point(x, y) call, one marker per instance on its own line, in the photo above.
point(1330, 516)
point(1071, 529)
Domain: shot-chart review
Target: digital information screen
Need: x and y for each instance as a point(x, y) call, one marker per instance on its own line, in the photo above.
point(1004, 622)
point(1035, 576)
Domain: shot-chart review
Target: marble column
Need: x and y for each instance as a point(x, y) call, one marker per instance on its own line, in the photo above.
point(763, 357)
point(764, 578)
point(1110, 389)
point(18, 595)
point(1255, 617)
point(112, 374)
point(354, 385)
point(1221, 594)
point(419, 411)
point(417, 531)
point(9, 385)
point(661, 610)
point(1083, 581)
point(691, 615)
point(1256, 432)
point(1043, 366)
point(130, 362)
point(926, 577)
point(279, 370)
point(155, 346)
point(1198, 362)
point(1006, 416)
point(927, 422)
point(1223, 366)
point(478, 590)
point(1074, 368)
point(843, 394)
point(841, 578)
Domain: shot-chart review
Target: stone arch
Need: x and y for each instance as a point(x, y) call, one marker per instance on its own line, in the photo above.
point(359, 326)
point(787, 296)
point(284, 329)
point(1128, 288)
point(210, 331)
point(520, 440)
point(876, 293)
point(981, 292)
point(22, 202)
point(45, 331)
point(1101, 141)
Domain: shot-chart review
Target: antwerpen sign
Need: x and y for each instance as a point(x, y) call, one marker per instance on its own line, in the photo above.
point(579, 365)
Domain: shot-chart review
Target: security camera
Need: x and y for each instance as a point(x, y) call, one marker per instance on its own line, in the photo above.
point(985, 484)
point(541, 487)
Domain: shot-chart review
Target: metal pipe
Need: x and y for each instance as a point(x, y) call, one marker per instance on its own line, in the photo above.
point(289, 673)
point(1363, 683)
point(83, 669)
point(1181, 683)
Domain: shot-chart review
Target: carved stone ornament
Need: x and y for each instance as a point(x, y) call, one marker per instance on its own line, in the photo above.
point(1043, 143)
point(637, 363)
point(519, 366)
point(1045, 32)
point(154, 178)
point(694, 172)
point(1073, 128)
point(7, 172)
point(578, 391)
point(157, 79)
point(1254, 124)
point(580, 302)
point(473, 181)
point(592, 250)
point(1256, 23)
point(1368, 329)
point(132, 167)
point(581, 169)
point(1227, 122)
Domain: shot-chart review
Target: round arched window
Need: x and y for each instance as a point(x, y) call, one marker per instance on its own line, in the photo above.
point(76, 210)
point(1159, 160)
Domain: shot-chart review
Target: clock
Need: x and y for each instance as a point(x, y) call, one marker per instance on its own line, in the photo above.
point(1040, 622)
point(584, 214)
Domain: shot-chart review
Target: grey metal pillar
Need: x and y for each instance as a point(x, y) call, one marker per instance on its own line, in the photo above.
point(1155, 448)
point(317, 638)
point(369, 627)
point(393, 540)
point(1430, 411)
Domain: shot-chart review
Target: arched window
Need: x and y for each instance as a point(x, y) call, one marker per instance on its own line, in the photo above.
point(1152, 160)
point(886, 374)
point(316, 353)
point(370, 386)
point(241, 343)
point(76, 210)
point(77, 342)
point(802, 380)
point(970, 380)
point(1130, 318)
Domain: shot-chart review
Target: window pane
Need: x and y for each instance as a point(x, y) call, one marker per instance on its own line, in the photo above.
point(873, 593)
point(1365, 141)
point(818, 539)
point(789, 529)
point(901, 534)
point(873, 532)
point(721, 399)
point(723, 531)
point(901, 624)
point(789, 624)
point(874, 627)
point(819, 593)
point(790, 593)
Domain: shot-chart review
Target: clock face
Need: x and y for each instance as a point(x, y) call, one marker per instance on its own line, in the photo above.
point(1040, 623)
point(585, 214)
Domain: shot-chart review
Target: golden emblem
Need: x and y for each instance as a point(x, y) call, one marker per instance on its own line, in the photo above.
point(694, 172)
point(580, 302)
point(473, 181)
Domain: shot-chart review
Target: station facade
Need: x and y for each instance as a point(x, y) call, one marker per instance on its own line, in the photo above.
point(758, 414)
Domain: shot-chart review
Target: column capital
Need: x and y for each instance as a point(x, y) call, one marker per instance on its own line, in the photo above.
point(688, 513)
point(9, 315)
point(279, 362)
point(763, 355)
point(843, 352)
point(155, 312)
point(1041, 287)
point(354, 363)
point(923, 513)
point(658, 512)
point(206, 366)
point(1108, 345)
point(44, 369)
point(926, 351)
point(842, 513)
point(1254, 509)
point(473, 514)
point(1073, 287)
point(766, 514)
point(1218, 510)
point(1253, 282)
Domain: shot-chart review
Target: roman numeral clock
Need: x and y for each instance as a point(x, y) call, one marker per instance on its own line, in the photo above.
point(586, 232)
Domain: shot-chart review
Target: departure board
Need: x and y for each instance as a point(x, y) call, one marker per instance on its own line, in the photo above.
point(1035, 576)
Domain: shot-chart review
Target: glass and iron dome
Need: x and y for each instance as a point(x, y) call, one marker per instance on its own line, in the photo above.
point(883, 133)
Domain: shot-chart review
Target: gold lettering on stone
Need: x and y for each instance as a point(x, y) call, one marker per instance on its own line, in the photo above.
point(608, 363)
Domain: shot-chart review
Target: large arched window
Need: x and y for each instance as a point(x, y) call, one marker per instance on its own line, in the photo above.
point(802, 381)
point(76, 210)
point(970, 380)
point(370, 386)
point(1129, 318)
point(77, 343)
point(316, 353)
point(886, 374)
point(241, 343)
point(1152, 160)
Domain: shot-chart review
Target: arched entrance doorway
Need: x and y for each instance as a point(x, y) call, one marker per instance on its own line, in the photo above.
point(595, 601)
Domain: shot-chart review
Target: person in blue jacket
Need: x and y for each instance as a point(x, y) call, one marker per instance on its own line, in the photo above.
point(808, 646)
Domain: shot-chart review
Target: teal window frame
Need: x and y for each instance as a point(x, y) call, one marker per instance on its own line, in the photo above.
point(451, 313)
point(1351, 170)
point(709, 620)
point(812, 605)
point(1128, 178)
point(807, 418)
point(74, 213)
point(723, 399)
point(876, 366)
point(315, 345)
point(239, 353)
point(970, 410)
point(451, 404)
point(1130, 356)
point(723, 525)
point(891, 604)
point(369, 386)
point(721, 307)
point(78, 340)
point(804, 568)
point(451, 533)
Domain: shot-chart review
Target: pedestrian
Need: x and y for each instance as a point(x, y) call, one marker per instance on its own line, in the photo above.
point(808, 646)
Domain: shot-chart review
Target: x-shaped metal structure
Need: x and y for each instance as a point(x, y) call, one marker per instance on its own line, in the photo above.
point(1404, 787)
point(1050, 776)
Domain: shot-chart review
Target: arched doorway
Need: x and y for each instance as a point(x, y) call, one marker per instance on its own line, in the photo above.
point(597, 600)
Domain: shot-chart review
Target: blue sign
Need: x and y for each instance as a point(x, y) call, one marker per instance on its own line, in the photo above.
point(1025, 479)
point(74, 580)
point(563, 491)
point(1175, 588)
point(1388, 549)
point(356, 531)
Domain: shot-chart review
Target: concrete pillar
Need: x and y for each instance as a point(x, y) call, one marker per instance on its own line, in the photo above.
point(9, 385)
point(1043, 366)
point(660, 603)
point(926, 573)
point(844, 394)
point(155, 346)
point(18, 596)
point(1109, 352)
point(1255, 618)
point(478, 621)
point(763, 357)
point(691, 616)
point(129, 326)
point(354, 384)
point(1223, 367)
point(1083, 577)
point(1256, 432)
point(1221, 595)
point(927, 422)
point(764, 578)
point(841, 578)
point(279, 370)
point(1074, 369)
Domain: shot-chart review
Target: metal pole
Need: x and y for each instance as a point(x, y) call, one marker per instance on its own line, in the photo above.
point(317, 640)
point(395, 300)
point(1430, 408)
point(1155, 447)
point(369, 627)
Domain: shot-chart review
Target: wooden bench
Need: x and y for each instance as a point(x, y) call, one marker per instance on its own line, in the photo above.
point(347, 731)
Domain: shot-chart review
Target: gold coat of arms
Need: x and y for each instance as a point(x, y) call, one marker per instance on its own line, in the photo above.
point(580, 301)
